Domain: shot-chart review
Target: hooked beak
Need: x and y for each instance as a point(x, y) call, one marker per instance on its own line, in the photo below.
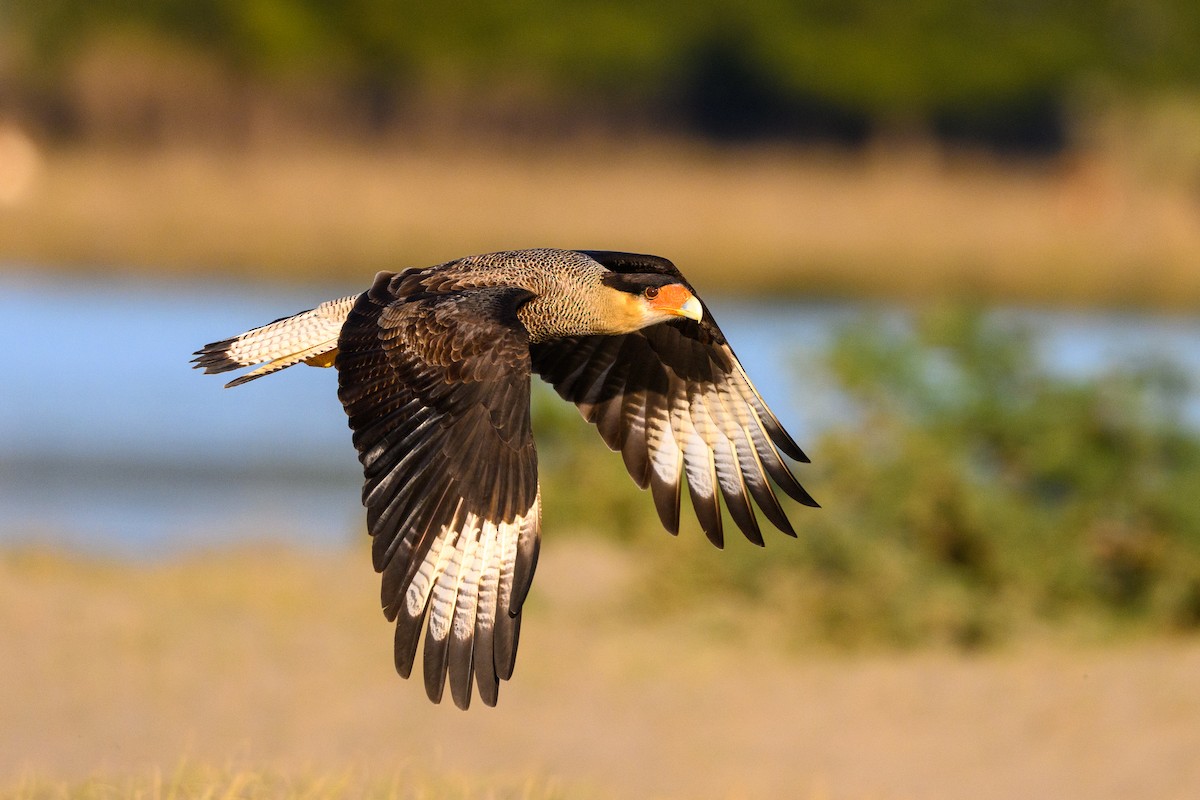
point(692, 309)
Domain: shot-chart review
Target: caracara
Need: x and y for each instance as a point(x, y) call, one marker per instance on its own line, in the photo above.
point(434, 370)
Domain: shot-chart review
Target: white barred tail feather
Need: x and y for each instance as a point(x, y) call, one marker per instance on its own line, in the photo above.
point(310, 337)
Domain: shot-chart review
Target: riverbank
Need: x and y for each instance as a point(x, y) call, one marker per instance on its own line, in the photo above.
point(904, 225)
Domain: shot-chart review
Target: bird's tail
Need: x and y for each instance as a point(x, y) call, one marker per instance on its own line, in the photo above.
point(310, 336)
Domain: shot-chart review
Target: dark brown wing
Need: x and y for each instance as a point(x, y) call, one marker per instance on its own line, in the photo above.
point(675, 401)
point(437, 390)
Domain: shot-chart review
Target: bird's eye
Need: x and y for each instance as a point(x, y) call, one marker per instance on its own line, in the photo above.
point(651, 292)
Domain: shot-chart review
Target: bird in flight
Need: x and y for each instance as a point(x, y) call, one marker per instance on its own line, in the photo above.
point(434, 369)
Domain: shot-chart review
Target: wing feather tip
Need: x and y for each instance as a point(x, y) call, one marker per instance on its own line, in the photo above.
point(461, 693)
point(243, 379)
point(804, 498)
point(407, 635)
point(435, 669)
point(789, 447)
point(754, 536)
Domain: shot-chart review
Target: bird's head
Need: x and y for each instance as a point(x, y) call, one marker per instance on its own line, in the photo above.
point(635, 301)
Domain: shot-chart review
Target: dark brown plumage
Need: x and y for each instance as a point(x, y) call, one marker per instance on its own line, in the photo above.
point(434, 367)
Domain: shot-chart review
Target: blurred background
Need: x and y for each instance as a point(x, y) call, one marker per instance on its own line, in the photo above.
point(957, 246)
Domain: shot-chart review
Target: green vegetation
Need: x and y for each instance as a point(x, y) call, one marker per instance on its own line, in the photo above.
point(970, 496)
point(1004, 72)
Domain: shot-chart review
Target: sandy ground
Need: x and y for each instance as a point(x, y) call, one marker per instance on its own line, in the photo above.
point(280, 659)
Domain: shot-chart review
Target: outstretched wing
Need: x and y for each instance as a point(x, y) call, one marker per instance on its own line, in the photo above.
point(675, 401)
point(437, 390)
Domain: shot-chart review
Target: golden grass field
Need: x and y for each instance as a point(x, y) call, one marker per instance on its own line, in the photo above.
point(904, 223)
point(265, 672)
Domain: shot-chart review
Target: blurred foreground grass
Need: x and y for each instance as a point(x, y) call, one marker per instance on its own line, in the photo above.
point(196, 782)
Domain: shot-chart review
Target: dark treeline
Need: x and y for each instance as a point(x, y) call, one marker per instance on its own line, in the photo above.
point(1004, 74)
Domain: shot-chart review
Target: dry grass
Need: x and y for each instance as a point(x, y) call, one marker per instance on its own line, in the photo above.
point(275, 663)
point(198, 782)
point(902, 224)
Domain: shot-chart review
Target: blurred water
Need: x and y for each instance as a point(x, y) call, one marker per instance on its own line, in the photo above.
point(110, 442)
